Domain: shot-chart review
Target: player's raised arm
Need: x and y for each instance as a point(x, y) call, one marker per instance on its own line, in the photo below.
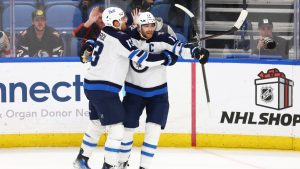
point(159, 41)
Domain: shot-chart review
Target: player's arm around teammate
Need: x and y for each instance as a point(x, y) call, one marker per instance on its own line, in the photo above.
point(103, 81)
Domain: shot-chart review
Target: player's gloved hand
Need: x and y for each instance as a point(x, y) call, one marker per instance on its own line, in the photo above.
point(200, 54)
point(170, 58)
point(86, 51)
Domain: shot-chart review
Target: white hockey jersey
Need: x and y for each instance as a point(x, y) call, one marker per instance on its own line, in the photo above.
point(151, 81)
point(110, 61)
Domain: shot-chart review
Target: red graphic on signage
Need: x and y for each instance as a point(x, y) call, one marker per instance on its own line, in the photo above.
point(274, 90)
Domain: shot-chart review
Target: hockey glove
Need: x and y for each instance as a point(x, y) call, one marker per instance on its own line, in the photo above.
point(86, 50)
point(201, 54)
point(170, 58)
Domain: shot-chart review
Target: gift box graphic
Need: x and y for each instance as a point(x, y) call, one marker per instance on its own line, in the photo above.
point(274, 90)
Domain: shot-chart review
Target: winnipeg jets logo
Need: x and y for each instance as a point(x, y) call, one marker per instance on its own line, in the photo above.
point(266, 94)
point(138, 67)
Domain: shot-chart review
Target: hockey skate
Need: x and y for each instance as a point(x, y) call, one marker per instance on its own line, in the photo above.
point(81, 161)
point(123, 165)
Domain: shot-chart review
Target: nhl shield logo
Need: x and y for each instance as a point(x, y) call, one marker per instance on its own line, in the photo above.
point(138, 67)
point(266, 94)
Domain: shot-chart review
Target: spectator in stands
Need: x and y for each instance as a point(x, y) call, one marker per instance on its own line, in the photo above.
point(143, 5)
point(39, 40)
point(162, 27)
point(137, 6)
point(265, 30)
point(176, 15)
point(4, 45)
point(85, 5)
point(92, 27)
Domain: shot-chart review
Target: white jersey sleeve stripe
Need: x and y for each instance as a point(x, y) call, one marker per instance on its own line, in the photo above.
point(143, 57)
point(180, 50)
point(133, 53)
point(177, 49)
point(186, 52)
point(174, 47)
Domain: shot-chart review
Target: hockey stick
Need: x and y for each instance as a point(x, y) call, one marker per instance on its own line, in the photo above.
point(236, 26)
point(194, 22)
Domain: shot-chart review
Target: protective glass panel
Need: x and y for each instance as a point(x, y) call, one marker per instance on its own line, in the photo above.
point(70, 23)
point(267, 33)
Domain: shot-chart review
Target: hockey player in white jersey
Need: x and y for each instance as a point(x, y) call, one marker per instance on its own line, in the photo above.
point(146, 88)
point(103, 81)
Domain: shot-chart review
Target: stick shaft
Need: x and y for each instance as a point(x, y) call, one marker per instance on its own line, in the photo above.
point(217, 34)
point(195, 25)
point(205, 83)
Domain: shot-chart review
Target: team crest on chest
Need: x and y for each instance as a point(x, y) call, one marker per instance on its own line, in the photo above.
point(138, 67)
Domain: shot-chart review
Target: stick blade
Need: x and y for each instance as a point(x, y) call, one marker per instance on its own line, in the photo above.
point(241, 19)
point(188, 12)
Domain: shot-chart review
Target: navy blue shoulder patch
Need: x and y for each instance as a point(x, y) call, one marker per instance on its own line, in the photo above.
point(163, 37)
point(124, 38)
point(133, 33)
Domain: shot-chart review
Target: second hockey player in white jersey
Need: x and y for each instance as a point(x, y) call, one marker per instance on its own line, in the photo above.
point(103, 81)
point(146, 87)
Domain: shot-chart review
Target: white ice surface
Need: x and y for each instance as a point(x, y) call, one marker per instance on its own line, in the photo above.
point(165, 158)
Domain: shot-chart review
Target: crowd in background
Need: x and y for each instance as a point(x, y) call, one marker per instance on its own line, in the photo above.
point(33, 41)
